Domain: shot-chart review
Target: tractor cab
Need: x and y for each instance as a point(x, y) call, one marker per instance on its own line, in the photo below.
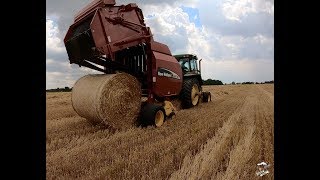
point(190, 67)
point(188, 63)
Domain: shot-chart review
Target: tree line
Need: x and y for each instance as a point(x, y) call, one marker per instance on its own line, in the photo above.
point(65, 89)
point(249, 82)
point(212, 82)
point(218, 82)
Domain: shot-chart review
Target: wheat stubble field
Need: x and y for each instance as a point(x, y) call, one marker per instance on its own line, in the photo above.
point(223, 139)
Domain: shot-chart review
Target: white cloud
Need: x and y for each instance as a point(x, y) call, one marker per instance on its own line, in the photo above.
point(53, 42)
point(262, 39)
point(225, 57)
point(263, 6)
point(235, 10)
point(171, 26)
point(59, 72)
point(238, 70)
point(65, 75)
point(49, 61)
point(58, 79)
point(241, 17)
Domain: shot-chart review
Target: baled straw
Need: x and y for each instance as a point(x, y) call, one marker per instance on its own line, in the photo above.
point(112, 99)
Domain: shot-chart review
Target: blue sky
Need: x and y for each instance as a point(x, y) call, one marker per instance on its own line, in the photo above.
point(233, 37)
point(193, 14)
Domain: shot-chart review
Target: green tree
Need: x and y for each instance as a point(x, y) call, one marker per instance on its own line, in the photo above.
point(212, 82)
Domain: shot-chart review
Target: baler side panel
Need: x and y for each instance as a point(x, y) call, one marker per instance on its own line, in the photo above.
point(98, 33)
point(168, 75)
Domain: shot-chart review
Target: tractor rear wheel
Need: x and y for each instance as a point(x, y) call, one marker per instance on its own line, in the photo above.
point(153, 114)
point(190, 93)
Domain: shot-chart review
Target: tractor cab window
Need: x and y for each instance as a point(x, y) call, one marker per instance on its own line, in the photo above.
point(193, 64)
point(184, 65)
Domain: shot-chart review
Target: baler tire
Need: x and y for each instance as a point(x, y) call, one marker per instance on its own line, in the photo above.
point(153, 114)
point(186, 93)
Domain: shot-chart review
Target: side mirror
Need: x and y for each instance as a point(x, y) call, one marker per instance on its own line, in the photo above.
point(200, 65)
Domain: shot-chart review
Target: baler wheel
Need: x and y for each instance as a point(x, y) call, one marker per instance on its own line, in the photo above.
point(159, 118)
point(153, 114)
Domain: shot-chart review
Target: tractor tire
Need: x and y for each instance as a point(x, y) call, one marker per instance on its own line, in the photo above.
point(190, 93)
point(153, 114)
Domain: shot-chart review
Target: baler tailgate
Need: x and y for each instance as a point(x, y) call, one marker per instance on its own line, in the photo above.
point(79, 45)
point(104, 32)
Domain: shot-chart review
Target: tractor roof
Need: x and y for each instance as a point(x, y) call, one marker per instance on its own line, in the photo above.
point(178, 56)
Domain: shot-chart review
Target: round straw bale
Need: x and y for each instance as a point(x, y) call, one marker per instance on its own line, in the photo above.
point(112, 99)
